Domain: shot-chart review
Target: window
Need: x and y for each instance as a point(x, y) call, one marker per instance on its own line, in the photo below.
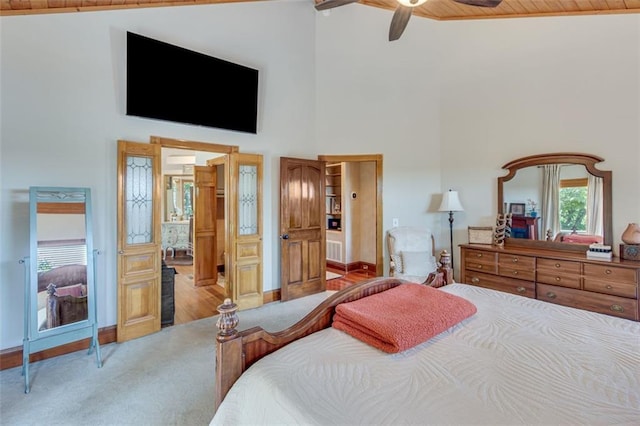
point(573, 205)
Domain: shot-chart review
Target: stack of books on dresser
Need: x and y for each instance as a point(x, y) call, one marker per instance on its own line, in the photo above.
point(599, 252)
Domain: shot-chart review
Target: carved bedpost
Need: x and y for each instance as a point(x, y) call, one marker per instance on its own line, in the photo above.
point(444, 273)
point(228, 320)
point(229, 359)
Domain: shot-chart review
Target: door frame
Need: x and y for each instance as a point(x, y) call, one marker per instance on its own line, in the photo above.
point(165, 142)
point(377, 159)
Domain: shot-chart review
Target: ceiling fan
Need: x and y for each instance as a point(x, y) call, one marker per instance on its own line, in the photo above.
point(403, 11)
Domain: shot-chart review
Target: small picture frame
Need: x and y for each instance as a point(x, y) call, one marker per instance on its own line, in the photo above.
point(517, 209)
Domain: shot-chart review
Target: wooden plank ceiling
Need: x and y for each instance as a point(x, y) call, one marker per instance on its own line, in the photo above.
point(433, 9)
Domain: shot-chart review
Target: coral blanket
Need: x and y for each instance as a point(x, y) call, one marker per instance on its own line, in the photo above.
point(402, 317)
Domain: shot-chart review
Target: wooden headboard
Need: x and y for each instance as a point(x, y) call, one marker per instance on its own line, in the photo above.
point(237, 351)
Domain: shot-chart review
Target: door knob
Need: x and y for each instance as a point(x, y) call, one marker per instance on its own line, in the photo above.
point(284, 236)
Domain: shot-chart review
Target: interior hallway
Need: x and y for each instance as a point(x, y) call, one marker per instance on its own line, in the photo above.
point(193, 303)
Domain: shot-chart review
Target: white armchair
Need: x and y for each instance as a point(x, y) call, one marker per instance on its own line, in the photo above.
point(411, 253)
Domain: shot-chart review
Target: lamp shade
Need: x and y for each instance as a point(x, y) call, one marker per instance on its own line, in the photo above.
point(450, 202)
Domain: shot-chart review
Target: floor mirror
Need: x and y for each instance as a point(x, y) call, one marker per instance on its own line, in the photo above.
point(60, 284)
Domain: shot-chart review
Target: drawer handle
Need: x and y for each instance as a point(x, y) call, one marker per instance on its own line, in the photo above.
point(479, 254)
point(558, 279)
point(551, 295)
point(479, 266)
point(515, 260)
point(608, 286)
point(557, 265)
point(608, 272)
point(520, 289)
point(617, 308)
point(475, 280)
point(515, 272)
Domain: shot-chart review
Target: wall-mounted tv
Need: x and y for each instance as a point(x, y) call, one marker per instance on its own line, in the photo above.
point(172, 83)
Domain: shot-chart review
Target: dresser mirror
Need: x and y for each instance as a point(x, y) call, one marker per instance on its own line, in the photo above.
point(179, 197)
point(60, 304)
point(559, 201)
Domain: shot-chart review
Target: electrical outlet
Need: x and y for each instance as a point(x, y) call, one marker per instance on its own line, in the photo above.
point(395, 221)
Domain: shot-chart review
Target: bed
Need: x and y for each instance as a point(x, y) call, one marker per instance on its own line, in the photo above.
point(515, 361)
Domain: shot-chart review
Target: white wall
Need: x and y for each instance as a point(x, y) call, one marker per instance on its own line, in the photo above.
point(447, 105)
point(379, 97)
point(519, 87)
point(62, 85)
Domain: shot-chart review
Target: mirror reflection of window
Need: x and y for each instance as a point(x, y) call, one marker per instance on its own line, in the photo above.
point(61, 240)
point(61, 267)
point(179, 198)
point(187, 190)
point(573, 205)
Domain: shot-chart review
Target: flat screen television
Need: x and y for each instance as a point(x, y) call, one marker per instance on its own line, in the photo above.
point(168, 82)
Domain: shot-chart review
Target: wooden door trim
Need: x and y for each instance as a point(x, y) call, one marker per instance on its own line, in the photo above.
point(166, 142)
point(377, 158)
point(193, 145)
point(151, 323)
point(238, 257)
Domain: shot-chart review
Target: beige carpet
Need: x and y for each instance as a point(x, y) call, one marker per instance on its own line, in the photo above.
point(166, 378)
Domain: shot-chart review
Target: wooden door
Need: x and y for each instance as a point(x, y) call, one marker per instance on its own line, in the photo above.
point(139, 240)
point(245, 223)
point(302, 227)
point(205, 270)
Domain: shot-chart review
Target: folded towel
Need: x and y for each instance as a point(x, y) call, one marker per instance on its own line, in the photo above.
point(402, 317)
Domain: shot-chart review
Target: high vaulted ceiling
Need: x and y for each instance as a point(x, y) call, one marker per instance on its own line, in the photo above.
point(434, 9)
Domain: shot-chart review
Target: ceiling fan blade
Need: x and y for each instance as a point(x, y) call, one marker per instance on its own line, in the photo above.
point(330, 4)
point(399, 21)
point(481, 3)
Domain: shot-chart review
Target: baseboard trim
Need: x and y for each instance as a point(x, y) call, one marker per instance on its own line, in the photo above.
point(12, 357)
point(271, 296)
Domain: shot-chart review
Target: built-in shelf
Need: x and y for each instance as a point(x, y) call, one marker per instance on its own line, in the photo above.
point(333, 193)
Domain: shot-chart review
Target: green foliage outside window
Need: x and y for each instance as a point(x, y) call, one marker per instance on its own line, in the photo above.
point(573, 209)
point(188, 202)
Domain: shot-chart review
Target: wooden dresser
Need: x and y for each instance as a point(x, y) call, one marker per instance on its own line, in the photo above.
point(565, 278)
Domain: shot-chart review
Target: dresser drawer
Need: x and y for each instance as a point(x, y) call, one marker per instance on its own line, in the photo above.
point(522, 274)
point(565, 266)
point(610, 273)
point(479, 256)
point(558, 278)
point(514, 261)
point(507, 285)
point(610, 287)
point(490, 268)
point(605, 304)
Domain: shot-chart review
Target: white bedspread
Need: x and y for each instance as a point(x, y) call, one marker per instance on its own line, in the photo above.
point(517, 361)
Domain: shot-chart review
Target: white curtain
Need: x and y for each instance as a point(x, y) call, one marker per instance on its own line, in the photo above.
point(594, 205)
point(551, 198)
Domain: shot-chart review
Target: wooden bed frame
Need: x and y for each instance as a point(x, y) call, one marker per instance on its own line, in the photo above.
point(237, 351)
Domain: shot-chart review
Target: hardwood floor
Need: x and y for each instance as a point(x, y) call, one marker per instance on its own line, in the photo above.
point(348, 279)
point(193, 303)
